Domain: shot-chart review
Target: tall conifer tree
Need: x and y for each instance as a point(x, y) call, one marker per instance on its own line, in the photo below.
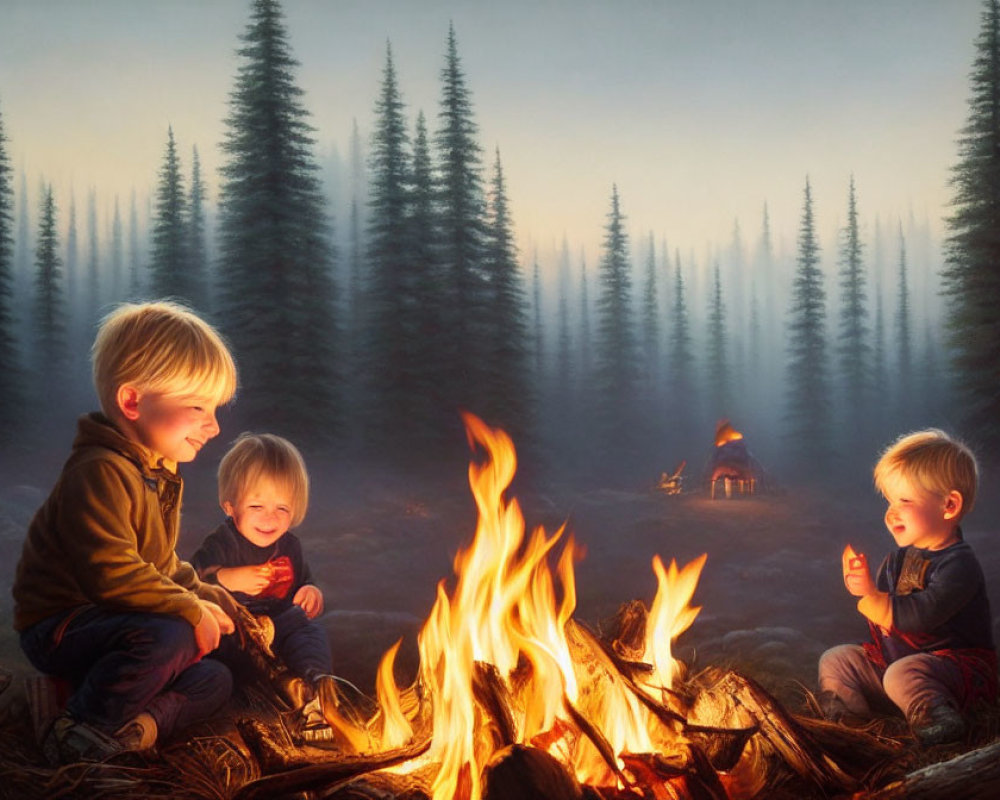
point(679, 357)
point(716, 362)
point(461, 229)
point(507, 399)
point(276, 291)
point(392, 335)
point(808, 375)
point(49, 308)
point(972, 274)
point(134, 257)
point(117, 278)
point(904, 333)
point(563, 336)
point(586, 359)
point(854, 346)
point(169, 274)
point(356, 223)
point(196, 238)
point(616, 367)
point(430, 295)
point(651, 319)
point(11, 394)
point(92, 291)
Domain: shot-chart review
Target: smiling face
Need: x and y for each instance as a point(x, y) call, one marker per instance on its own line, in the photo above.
point(918, 517)
point(175, 427)
point(264, 513)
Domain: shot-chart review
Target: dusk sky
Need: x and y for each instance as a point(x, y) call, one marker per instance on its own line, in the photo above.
point(700, 111)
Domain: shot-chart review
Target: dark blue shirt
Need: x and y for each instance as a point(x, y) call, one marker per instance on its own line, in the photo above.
point(939, 600)
point(227, 547)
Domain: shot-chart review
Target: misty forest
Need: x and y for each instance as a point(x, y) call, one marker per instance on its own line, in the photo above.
point(367, 304)
point(372, 299)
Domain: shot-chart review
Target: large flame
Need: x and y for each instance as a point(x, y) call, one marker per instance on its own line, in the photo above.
point(510, 610)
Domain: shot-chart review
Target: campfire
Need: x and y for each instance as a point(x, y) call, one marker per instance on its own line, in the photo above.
point(732, 470)
point(515, 699)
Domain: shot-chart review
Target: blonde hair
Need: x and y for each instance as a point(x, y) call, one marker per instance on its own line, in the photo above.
point(934, 461)
point(160, 347)
point(263, 456)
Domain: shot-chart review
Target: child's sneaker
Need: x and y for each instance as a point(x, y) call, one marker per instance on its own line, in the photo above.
point(138, 734)
point(939, 724)
point(69, 741)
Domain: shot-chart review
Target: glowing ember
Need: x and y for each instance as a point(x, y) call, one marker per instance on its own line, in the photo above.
point(510, 610)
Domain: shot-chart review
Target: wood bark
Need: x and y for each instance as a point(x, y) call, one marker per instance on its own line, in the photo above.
point(971, 776)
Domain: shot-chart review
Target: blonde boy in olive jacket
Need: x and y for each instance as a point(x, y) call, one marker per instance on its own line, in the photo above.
point(101, 598)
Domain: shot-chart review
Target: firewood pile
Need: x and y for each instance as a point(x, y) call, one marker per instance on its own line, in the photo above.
point(734, 740)
point(737, 741)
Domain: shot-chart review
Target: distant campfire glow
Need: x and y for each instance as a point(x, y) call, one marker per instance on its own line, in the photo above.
point(732, 471)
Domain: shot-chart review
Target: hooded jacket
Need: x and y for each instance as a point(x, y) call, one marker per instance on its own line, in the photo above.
point(107, 534)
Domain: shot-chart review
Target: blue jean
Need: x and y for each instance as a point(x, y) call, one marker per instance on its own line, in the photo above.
point(122, 663)
point(912, 682)
point(301, 644)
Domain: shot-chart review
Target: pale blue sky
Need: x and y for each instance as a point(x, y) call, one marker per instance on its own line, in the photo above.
point(700, 110)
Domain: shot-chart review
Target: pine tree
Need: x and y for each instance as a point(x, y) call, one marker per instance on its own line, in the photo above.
point(356, 244)
point(49, 307)
point(972, 274)
point(168, 265)
point(651, 319)
point(564, 342)
point(430, 296)
point(537, 325)
point(196, 239)
point(462, 230)
point(276, 291)
point(853, 345)
point(78, 332)
point(92, 290)
point(11, 394)
point(904, 336)
point(134, 259)
point(23, 246)
point(680, 360)
point(507, 399)
point(616, 365)
point(117, 278)
point(72, 252)
point(391, 322)
point(716, 362)
point(585, 336)
point(808, 376)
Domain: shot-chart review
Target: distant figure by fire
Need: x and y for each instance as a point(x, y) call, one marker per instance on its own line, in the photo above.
point(732, 468)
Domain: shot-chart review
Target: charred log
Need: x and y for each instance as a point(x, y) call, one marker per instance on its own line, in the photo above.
point(494, 700)
point(327, 776)
point(521, 772)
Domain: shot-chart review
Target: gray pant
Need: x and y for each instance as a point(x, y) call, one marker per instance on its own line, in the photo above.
point(912, 683)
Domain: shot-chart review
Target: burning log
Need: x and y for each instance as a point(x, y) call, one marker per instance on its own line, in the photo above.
point(520, 772)
point(327, 776)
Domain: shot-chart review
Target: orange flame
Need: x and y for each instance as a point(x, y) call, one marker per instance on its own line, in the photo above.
point(725, 432)
point(509, 609)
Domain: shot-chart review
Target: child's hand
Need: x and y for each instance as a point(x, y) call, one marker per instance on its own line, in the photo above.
point(213, 624)
point(311, 600)
point(857, 577)
point(250, 580)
